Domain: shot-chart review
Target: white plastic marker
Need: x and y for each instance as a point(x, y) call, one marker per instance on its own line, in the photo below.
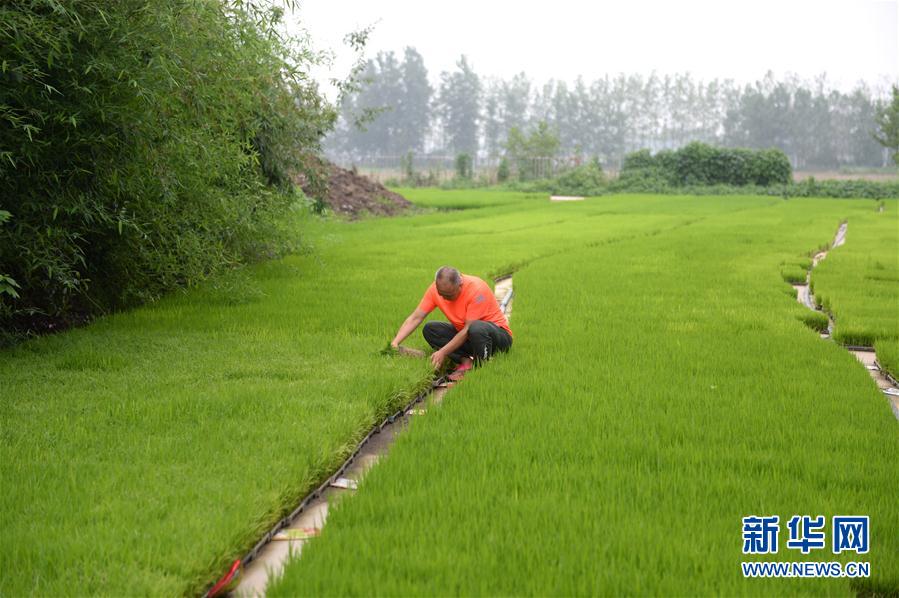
point(345, 483)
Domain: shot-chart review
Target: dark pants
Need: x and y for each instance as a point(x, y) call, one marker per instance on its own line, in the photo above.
point(483, 339)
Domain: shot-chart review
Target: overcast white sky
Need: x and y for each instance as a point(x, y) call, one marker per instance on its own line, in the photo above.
point(561, 39)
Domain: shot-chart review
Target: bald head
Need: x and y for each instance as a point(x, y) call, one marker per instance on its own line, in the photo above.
point(448, 274)
point(448, 281)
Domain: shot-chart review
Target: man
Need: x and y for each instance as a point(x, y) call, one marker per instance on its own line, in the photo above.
point(476, 328)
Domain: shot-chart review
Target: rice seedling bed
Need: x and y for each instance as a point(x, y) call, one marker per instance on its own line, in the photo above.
point(162, 443)
point(659, 365)
point(661, 388)
point(858, 283)
point(821, 321)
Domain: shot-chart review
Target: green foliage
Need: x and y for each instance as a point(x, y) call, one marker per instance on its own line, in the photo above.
point(458, 105)
point(389, 350)
point(502, 171)
point(818, 126)
point(543, 141)
point(387, 109)
point(479, 182)
point(887, 121)
point(443, 200)
point(586, 179)
point(638, 160)
point(412, 177)
point(518, 153)
point(407, 166)
point(8, 286)
point(463, 166)
point(529, 154)
point(845, 189)
point(641, 179)
point(145, 146)
point(700, 164)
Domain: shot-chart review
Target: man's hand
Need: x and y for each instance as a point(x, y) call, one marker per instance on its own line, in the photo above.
point(411, 323)
point(437, 358)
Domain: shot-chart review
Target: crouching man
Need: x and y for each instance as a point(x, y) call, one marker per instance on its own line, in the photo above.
point(476, 328)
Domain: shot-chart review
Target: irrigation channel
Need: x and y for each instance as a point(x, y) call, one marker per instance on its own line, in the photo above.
point(866, 355)
point(250, 575)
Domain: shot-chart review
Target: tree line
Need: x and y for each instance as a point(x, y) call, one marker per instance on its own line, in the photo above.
point(816, 125)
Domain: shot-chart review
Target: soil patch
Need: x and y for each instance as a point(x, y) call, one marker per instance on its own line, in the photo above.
point(354, 195)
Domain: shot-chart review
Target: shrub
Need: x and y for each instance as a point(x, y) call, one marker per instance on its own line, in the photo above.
point(586, 179)
point(407, 166)
point(701, 164)
point(144, 147)
point(502, 172)
point(8, 285)
point(637, 160)
point(841, 189)
point(477, 182)
point(463, 166)
point(655, 180)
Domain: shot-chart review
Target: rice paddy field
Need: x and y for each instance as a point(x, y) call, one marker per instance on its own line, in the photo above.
point(664, 383)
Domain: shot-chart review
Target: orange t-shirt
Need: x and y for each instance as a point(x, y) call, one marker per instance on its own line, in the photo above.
point(475, 302)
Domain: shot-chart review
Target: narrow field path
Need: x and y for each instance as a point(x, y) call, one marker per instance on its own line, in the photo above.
point(803, 290)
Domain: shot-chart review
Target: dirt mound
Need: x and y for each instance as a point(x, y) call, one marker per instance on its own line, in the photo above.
point(352, 194)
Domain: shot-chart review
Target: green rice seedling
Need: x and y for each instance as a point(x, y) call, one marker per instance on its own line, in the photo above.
point(888, 355)
point(814, 319)
point(793, 274)
point(164, 441)
point(660, 389)
point(795, 270)
point(858, 283)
